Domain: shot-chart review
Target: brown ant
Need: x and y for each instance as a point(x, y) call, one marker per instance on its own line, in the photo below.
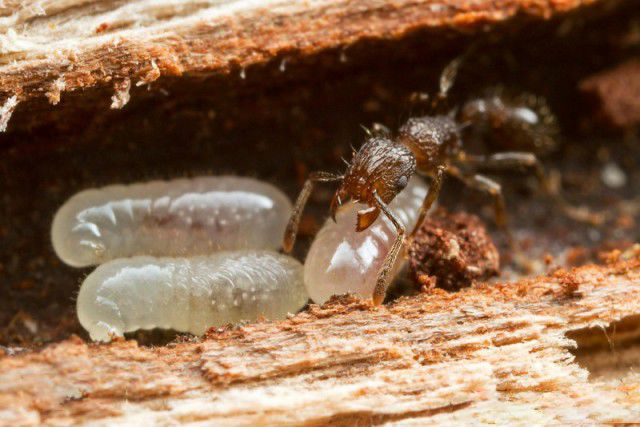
point(430, 145)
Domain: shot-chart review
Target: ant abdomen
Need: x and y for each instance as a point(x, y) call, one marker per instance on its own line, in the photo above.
point(501, 121)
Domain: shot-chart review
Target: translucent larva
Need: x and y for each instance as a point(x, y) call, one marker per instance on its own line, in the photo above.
point(189, 294)
point(183, 217)
point(342, 260)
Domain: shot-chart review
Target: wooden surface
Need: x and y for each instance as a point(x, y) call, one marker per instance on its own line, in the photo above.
point(53, 47)
point(488, 354)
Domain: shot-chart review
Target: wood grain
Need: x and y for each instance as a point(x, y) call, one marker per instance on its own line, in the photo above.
point(58, 46)
point(488, 354)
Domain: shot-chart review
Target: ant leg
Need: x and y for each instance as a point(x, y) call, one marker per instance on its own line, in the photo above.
point(520, 160)
point(432, 195)
point(511, 160)
point(489, 186)
point(292, 226)
point(380, 291)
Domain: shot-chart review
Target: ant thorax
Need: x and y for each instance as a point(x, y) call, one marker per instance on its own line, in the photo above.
point(432, 139)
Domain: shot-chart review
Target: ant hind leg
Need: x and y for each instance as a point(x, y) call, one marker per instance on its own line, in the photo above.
point(529, 162)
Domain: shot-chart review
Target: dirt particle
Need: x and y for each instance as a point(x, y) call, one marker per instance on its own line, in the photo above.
point(617, 93)
point(569, 284)
point(578, 255)
point(102, 28)
point(451, 250)
point(613, 176)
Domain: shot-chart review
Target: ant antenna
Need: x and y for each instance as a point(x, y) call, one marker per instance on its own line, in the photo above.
point(447, 79)
point(366, 129)
point(449, 74)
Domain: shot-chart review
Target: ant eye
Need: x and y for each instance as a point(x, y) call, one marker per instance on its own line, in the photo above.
point(401, 182)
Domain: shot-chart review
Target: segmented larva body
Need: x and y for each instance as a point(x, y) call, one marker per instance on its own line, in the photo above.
point(182, 217)
point(343, 260)
point(189, 294)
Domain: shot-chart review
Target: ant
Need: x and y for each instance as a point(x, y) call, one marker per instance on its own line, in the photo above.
point(430, 145)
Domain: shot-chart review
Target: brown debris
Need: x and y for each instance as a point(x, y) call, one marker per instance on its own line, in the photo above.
point(121, 94)
point(617, 92)
point(487, 351)
point(451, 250)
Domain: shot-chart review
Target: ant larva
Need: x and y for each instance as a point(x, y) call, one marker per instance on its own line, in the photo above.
point(180, 217)
point(189, 294)
point(184, 254)
point(430, 145)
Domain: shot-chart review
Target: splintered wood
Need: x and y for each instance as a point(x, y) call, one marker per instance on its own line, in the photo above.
point(49, 47)
point(488, 354)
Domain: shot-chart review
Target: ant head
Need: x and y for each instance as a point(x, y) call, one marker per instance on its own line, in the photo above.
point(380, 167)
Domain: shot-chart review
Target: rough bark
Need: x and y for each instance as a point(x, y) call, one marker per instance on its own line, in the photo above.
point(488, 354)
point(60, 46)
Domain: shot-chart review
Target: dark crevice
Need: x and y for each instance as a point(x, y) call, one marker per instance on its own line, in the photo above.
point(373, 419)
point(610, 352)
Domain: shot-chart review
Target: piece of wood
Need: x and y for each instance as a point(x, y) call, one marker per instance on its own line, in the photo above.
point(617, 94)
point(57, 46)
point(488, 354)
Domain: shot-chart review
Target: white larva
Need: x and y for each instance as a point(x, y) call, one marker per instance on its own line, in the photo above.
point(189, 294)
point(342, 260)
point(182, 217)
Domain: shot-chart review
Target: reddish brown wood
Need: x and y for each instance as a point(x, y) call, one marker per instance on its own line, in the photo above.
point(178, 42)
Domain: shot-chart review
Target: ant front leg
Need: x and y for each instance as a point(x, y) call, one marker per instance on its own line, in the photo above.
point(432, 196)
point(380, 291)
point(292, 227)
point(520, 160)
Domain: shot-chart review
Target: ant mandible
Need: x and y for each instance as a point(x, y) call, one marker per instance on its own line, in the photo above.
point(430, 145)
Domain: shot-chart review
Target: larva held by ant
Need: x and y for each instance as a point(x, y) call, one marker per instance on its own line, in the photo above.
point(189, 294)
point(181, 217)
point(343, 260)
